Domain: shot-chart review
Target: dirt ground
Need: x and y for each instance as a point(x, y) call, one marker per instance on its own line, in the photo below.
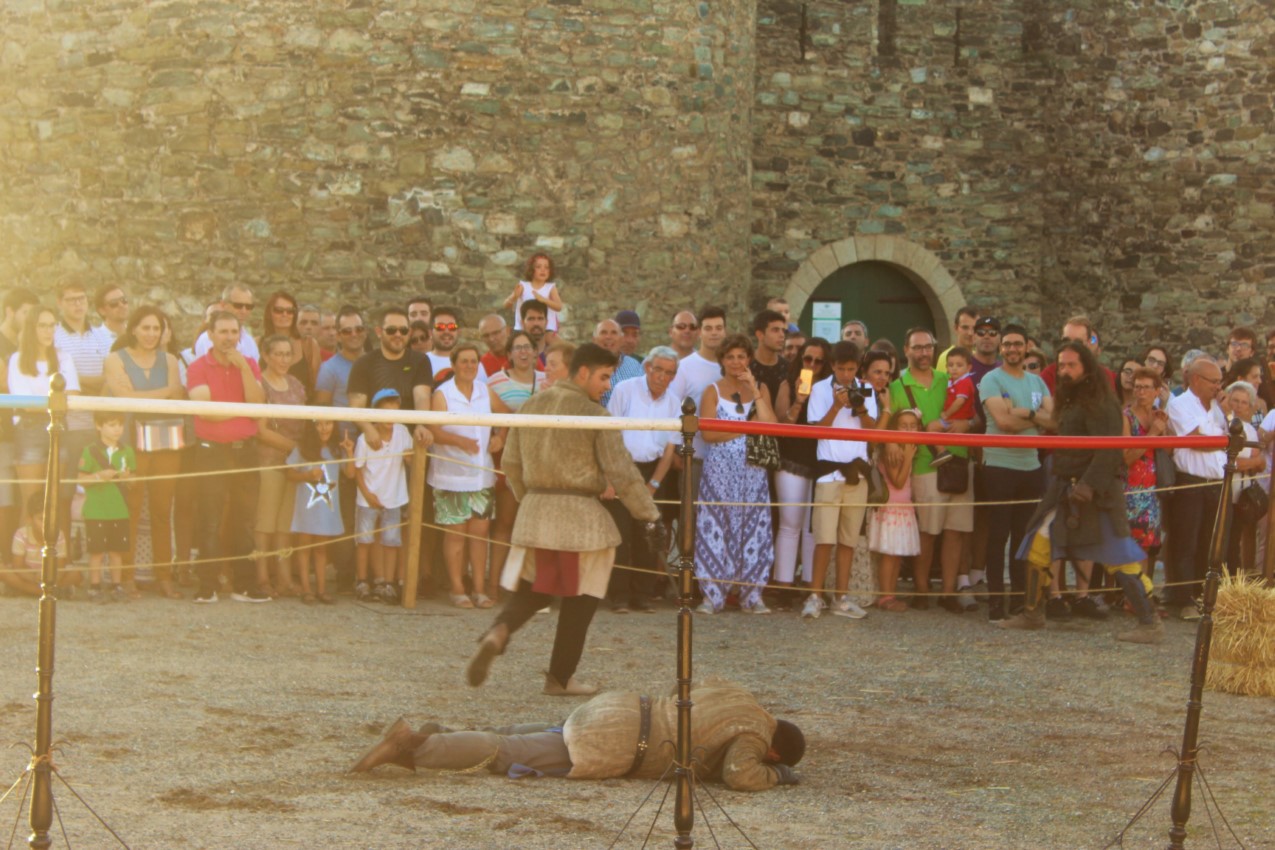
point(232, 726)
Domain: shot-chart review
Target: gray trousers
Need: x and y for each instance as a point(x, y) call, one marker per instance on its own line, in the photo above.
point(496, 749)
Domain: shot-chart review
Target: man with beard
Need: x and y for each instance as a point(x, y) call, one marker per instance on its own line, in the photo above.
point(563, 539)
point(391, 365)
point(1015, 401)
point(535, 321)
point(1082, 516)
point(445, 335)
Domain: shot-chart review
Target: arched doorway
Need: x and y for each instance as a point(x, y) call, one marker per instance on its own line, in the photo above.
point(878, 294)
point(881, 278)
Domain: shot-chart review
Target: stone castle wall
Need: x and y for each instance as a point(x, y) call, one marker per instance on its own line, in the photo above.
point(365, 151)
point(1100, 157)
point(1110, 157)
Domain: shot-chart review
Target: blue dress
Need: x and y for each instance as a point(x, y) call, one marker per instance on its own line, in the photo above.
point(317, 507)
point(733, 543)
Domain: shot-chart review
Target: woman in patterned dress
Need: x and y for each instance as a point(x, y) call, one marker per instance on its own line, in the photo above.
point(733, 543)
point(1144, 419)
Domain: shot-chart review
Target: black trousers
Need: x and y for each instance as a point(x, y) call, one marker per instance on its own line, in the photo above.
point(239, 489)
point(627, 586)
point(1190, 524)
point(1007, 522)
point(573, 625)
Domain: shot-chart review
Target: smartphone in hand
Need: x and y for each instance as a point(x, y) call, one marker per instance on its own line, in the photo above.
point(804, 380)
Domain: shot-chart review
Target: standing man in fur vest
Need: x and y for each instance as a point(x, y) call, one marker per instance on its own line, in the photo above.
point(564, 539)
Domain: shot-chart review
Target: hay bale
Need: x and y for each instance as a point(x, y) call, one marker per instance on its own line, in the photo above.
point(1242, 657)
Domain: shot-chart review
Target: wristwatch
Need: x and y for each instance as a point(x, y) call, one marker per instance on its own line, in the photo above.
point(1031, 416)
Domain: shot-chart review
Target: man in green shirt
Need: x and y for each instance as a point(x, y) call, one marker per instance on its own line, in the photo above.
point(950, 516)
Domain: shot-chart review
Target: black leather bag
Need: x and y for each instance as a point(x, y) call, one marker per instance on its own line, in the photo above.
point(761, 450)
point(1252, 504)
point(954, 476)
point(1165, 474)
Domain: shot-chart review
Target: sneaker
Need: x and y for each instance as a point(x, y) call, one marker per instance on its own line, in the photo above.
point(1190, 612)
point(619, 608)
point(706, 607)
point(1101, 604)
point(205, 598)
point(979, 589)
point(388, 593)
point(967, 600)
point(251, 596)
point(952, 604)
point(363, 592)
point(1058, 610)
point(1152, 634)
point(995, 611)
point(813, 608)
point(1088, 608)
point(119, 594)
point(759, 608)
point(845, 607)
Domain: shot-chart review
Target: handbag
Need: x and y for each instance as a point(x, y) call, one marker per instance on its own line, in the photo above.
point(1165, 474)
point(761, 450)
point(1252, 504)
point(954, 476)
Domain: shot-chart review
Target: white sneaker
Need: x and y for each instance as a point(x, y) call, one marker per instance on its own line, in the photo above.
point(844, 607)
point(706, 608)
point(813, 608)
point(759, 608)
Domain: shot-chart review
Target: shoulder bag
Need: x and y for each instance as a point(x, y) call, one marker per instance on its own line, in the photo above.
point(761, 450)
point(954, 476)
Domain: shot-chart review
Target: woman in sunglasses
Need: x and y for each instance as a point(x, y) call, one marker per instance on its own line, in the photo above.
point(281, 318)
point(734, 543)
point(795, 480)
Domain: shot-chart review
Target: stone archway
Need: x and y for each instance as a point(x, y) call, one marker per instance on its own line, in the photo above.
point(940, 289)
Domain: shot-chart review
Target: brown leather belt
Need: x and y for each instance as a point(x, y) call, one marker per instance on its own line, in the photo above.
point(559, 491)
point(644, 735)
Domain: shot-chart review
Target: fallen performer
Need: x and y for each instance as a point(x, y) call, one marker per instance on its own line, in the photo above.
point(615, 734)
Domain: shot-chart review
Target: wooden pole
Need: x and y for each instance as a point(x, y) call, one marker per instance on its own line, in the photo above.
point(41, 816)
point(684, 807)
point(416, 511)
point(1181, 808)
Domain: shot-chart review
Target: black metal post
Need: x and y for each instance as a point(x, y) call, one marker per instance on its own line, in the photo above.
point(1181, 809)
point(41, 817)
point(684, 808)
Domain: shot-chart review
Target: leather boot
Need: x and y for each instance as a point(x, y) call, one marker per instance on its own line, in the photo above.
point(1033, 616)
point(397, 747)
point(573, 688)
point(491, 644)
point(1149, 634)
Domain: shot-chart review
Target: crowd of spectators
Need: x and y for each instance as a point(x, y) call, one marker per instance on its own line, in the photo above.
point(781, 526)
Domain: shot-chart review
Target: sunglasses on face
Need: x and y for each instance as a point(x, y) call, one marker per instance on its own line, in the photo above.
point(283, 311)
point(446, 326)
point(1033, 366)
point(986, 332)
point(404, 330)
point(419, 339)
point(683, 326)
point(351, 331)
point(240, 305)
point(812, 361)
point(117, 302)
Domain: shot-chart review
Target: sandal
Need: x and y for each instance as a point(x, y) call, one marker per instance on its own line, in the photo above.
point(891, 603)
point(268, 590)
point(307, 598)
point(460, 600)
point(326, 599)
point(482, 601)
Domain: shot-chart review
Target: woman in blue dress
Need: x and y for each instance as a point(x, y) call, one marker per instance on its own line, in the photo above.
point(733, 543)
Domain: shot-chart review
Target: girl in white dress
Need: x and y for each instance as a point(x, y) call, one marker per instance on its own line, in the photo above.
point(893, 531)
point(537, 284)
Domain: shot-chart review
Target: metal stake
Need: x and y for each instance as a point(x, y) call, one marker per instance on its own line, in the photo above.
point(1181, 809)
point(684, 806)
point(41, 817)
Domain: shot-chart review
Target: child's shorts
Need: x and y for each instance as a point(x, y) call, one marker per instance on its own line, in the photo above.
point(368, 520)
point(106, 535)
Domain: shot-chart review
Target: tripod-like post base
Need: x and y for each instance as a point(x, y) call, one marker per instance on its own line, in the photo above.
point(684, 804)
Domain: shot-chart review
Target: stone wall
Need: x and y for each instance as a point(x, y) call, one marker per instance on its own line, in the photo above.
point(1094, 156)
point(361, 151)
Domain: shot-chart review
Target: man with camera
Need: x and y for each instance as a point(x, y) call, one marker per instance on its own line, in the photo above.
point(841, 490)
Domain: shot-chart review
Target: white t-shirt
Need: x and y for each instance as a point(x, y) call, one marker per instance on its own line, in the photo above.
point(383, 473)
point(838, 451)
point(631, 399)
point(247, 345)
point(694, 374)
point(526, 295)
point(1186, 414)
point(20, 384)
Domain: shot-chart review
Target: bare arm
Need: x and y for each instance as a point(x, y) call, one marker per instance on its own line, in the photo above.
point(553, 300)
point(708, 410)
point(421, 396)
point(1010, 420)
point(373, 437)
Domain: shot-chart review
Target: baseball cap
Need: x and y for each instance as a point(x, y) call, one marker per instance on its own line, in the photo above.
point(382, 395)
point(628, 319)
point(988, 322)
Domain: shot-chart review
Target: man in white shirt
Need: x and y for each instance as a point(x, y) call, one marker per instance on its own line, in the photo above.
point(683, 334)
point(235, 298)
point(841, 490)
point(87, 348)
point(643, 397)
point(696, 371)
point(1191, 511)
point(446, 333)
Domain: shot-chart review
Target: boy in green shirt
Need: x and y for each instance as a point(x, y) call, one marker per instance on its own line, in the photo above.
point(104, 464)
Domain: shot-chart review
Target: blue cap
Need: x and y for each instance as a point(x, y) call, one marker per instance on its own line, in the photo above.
point(628, 319)
point(382, 395)
point(793, 329)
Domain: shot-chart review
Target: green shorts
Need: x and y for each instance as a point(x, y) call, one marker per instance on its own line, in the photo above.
point(457, 508)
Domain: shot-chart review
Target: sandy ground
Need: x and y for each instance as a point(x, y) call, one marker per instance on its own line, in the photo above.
point(232, 726)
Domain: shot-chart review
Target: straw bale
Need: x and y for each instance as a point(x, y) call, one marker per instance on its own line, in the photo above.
point(1242, 657)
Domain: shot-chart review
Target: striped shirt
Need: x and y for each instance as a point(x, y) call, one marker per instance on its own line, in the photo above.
point(88, 351)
